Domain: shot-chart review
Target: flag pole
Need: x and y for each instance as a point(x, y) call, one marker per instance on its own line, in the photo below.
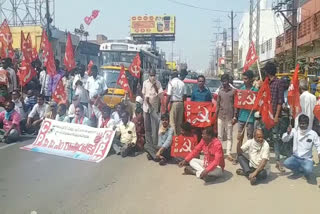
point(258, 65)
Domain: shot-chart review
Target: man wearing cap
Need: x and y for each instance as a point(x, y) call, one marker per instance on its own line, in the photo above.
point(176, 95)
point(151, 91)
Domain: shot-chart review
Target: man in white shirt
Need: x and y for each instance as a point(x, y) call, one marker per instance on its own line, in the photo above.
point(81, 75)
point(255, 168)
point(152, 92)
point(6, 63)
point(95, 85)
point(307, 101)
point(37, 114)
point(44, 81)
point(176, 95)
point(303, 141)
point(128, 137)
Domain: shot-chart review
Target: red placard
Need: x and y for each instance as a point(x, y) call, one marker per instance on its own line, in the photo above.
point(181, 146)
point(199, 114)
point(244, 99)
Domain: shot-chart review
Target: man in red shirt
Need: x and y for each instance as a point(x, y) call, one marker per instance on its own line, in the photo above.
point(213, 162)
point(11, 124)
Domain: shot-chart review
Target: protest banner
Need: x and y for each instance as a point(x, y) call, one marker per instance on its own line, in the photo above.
point(72, 141)
point(199, 114)
point(244, 99)
point(181, 146)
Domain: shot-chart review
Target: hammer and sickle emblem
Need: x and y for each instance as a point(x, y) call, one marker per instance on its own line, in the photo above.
point(186, 147)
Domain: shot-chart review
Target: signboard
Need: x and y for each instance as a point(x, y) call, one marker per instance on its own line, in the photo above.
point(72, 141)
point(199, 114)
point(157, 28)
point(244, 99)
point(181, 146)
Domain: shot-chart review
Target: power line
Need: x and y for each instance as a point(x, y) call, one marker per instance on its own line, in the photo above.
point(202, 8)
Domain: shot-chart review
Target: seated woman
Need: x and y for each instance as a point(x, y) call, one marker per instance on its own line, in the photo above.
point(162, 152)
point(79, 116)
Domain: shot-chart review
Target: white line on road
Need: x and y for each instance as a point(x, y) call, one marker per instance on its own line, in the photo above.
point(6, 146)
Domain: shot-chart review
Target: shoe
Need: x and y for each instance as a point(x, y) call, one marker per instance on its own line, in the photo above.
point(240, 172)
point(188, 170)
point(280, 168)
point(209, 178)
point(149, 157)
point(253, 181)
point(163, 162)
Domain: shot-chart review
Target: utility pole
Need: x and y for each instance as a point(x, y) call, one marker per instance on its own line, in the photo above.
point(258, 28)
point(232, 40)
point(251, 21)
point(294, 30)
point(49, 20)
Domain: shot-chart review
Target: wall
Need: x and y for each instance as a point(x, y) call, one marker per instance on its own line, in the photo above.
point(35, 32)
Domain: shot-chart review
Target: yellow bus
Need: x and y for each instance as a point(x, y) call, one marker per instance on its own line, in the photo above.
point(115, 53)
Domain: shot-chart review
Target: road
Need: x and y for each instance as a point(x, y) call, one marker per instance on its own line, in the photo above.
point(40, 183)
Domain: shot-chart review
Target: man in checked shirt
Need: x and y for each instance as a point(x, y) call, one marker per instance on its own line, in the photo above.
point(277, 99)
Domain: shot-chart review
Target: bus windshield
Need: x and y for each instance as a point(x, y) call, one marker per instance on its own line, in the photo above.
point(109, 57)
point(111, 77)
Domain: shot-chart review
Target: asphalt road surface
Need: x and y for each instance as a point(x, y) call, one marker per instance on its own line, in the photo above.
point(39, 183)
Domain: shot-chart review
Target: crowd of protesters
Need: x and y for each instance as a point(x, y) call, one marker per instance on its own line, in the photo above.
point(141, 128)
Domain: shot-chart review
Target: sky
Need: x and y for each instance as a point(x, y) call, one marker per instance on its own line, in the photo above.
point(194, 27)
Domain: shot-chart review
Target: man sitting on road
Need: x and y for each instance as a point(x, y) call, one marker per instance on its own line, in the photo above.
point(258, 150)
point(303, 141)
point(162, 152)
point(62, 113)
point(213, 163)
point(128, 137)
point(10, 119)
point(37, 114)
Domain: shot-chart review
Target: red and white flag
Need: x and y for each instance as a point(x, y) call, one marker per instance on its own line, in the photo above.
point(294, 93)
point(26, 71)
point(47, 54)
point(6, 41)
point(199, 114)
point(135, 67)
point(245, 99)
point(264, 106)
point(251, 58)
point(35, 55)
point(123, 81)
point(69, 61)
point(181, 146)
point(59, 95)
point(316, 110)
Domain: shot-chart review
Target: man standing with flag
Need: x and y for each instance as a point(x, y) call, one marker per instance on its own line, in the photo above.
point(277, 99)
point(7, 65)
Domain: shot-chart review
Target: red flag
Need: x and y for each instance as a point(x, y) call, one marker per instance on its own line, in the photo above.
point(69, 61)
point(26, 73)
point(135, 67)
point(294, 93)
point(89, 67)
point(251, 57)
point(245, 99)
point(47, 54)
point(199, 114)
point(264, 106)
point(6, 40)
point(26, 47)
point(181, 146)
point(123, 81)
point(35, 55)
point(59, 95)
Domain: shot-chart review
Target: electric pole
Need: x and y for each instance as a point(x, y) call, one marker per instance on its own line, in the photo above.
point(251, 21)
point(294, 30)
point(232, 41)
point(258, 28)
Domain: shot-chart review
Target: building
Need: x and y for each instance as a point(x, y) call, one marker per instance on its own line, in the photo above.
point(271, 26)
point(308, 38)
